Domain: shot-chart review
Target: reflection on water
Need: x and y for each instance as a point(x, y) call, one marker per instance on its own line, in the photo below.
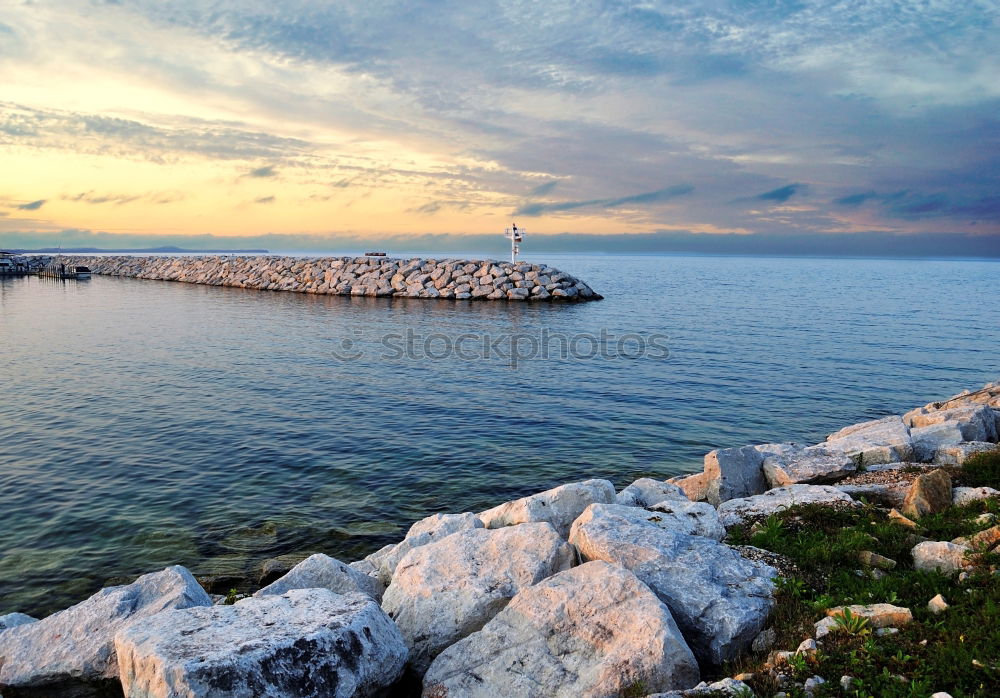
point(147, 423)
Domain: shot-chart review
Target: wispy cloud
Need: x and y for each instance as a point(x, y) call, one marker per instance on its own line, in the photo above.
point(781, 194)
point(262, 172)
point(652, 197)
point(32, 206)
point(265, 200)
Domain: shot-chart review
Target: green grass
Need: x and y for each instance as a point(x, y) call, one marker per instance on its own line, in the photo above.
point(933, 653)
point(982, 469)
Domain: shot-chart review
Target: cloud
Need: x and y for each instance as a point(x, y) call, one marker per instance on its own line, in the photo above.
point(651, 197)
point(264, 200)
point(855, 199)
point(266, 171)
point(781, 194)
point(543, 189)
point(32, 206)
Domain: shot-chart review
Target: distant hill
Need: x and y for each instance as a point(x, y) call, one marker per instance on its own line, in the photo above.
point(147, 250)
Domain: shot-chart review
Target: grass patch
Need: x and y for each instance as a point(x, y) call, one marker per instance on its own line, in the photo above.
point(957, 651)
point(982, 469)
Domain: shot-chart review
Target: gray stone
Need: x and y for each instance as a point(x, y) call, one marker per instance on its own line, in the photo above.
point(885, 440)
point(692, 518)
point(948, 558)
point(965, 495)
point(974, 422)
point(927, 441)
point(446, 590)
point(646, 491)
point(594, 630)
point(811, 465)
point(77, 644)
point(959, 453)
point(427, 530)
point(740, 511)
point(928, 494)
point(559, 506)
point(724, 688)
point(324, 572)
point(732, 473)
point(719, 599)
point(11, 620)
point(694, 486)
point(304, 643)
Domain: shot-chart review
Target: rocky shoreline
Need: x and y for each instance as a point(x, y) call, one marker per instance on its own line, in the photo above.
point(581, 590)
point(452, 279)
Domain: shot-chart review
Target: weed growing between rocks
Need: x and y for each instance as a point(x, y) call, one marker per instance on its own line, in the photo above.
point(983, 469)
point(957, 650)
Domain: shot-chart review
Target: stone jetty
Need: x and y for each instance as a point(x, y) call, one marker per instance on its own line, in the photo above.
point(580, 590)
point(452, 279)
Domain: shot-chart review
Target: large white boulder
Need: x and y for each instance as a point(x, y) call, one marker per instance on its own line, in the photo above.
point(594, 630)
point(12, 620)
point(321, 571)
point(962, 495)
point(885, 440)
point(559, 506)
point(974, 422)
point(77, 644)
point(693, 518)
point(694, 486)
point(719, 599)
point(808, 465)
point(927, 441)
point(427, 530)
point(947, 558)
point(645, 492)
point(959, 453)
point(444, 591)
point(304, 643)
point(738, 511)
point(734, 472)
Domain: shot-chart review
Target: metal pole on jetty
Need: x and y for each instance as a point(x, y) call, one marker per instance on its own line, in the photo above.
point(515, 235)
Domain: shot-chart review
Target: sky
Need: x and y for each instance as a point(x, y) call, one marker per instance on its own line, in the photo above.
point(228, 122)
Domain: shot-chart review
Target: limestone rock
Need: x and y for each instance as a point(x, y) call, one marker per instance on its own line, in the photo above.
point(594, 630)
point(939, 555)
point(937, 605)
point(739, 511)
point(959, 453)
point(304, 643)
point(692, 518)
point(724, 688)
point(694, 487)
point(446, 590)
point(879, 615)
point(646, 492)
point(811, 465)
point(732, 473)
point(974, 422)
point(427, 530)
point(77, 644)
point(324, 572)
point(965, 495)
point(885, 440)
point(928, 494)
point(897, 518)
point(11, 620)
point(719, 599)
point(559, 506)
point(987, 539)
point(927, 441)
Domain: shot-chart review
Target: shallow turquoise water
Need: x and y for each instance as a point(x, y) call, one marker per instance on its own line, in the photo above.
point(148, 423)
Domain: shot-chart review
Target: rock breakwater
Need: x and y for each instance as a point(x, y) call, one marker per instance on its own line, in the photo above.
point(579, 590)
point(453, 279)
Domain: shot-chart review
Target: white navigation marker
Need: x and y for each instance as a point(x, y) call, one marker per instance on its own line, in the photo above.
point(515, 235)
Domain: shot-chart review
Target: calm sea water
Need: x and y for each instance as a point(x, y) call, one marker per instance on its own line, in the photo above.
point(147, 423)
